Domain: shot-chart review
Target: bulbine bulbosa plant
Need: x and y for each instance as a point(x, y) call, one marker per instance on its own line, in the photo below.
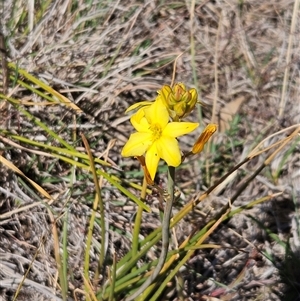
point(158, 124)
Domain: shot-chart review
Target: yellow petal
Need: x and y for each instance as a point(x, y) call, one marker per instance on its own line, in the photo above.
point(176, 129)
point(137, 144)
point(139, 104)
point(152, 159)
point(157, 113)
point(194, 96)
point(205, 135)
point(164, 93)
point(168, 150)
point(139, 122)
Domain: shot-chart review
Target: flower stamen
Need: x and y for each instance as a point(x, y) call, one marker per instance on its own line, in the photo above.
point(156, 131)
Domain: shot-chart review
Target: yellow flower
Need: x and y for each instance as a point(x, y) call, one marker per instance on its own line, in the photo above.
point(156, 136)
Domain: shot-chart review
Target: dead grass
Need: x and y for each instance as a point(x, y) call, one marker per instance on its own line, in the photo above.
point(105, 56)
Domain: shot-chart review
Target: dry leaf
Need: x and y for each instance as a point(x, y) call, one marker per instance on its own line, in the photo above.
point(227, 112)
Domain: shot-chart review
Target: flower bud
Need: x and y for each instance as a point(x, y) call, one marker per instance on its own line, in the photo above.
point(178, 100)
point(204, 137)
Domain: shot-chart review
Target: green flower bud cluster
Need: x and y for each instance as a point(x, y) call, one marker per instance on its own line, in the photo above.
point(178, 100)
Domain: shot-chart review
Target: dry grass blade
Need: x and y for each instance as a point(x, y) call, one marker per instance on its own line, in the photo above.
point(15, 169)
point(58, 259)
point(89, 294)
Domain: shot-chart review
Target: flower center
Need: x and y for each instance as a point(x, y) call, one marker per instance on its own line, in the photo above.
point(156, 131)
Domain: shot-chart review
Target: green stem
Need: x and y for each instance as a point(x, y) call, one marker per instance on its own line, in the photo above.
point(138, 221)
point(141, 293)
